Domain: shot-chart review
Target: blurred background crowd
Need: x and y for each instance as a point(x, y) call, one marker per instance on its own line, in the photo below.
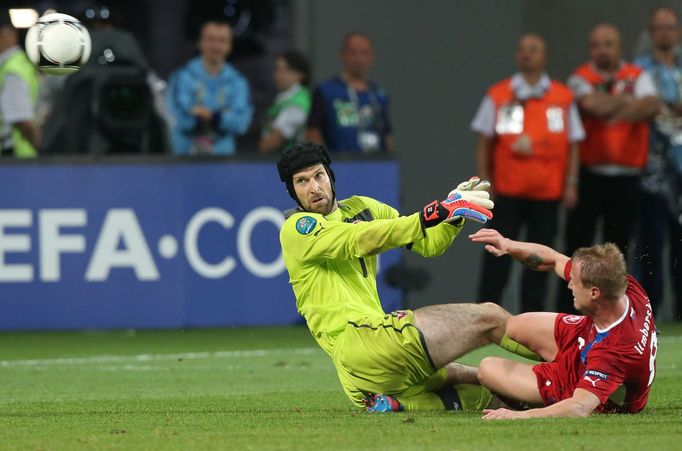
point(241, 86)
point(573, 111)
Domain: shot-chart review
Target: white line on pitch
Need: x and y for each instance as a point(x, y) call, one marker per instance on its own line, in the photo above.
point(188, 356)
point(159, 357)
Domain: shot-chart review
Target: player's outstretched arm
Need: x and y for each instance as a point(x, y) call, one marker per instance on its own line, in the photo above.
point(580, 405)
point(308, 236)
point(535, 256)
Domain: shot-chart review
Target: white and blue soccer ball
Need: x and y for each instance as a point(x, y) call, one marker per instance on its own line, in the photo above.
point(58, 44)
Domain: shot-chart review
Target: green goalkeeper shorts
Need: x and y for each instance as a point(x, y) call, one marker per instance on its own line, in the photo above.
point(385, 355)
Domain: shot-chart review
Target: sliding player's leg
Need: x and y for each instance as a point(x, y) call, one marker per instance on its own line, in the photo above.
point(387, 356)
point(510, 379)
point(536, 331)
point(452, 330)
point(393, 356)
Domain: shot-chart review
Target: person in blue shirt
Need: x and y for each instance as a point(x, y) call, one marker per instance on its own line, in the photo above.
point(662, 177)
point(349, 112)
point(208, 99)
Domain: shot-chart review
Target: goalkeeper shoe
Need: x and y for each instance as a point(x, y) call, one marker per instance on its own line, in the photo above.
point(382, 403)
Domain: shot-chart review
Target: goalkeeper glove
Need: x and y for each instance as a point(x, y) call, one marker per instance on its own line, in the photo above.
point(475, 191)
point(453, 209)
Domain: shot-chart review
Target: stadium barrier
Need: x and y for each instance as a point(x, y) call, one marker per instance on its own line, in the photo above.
point(156, 242)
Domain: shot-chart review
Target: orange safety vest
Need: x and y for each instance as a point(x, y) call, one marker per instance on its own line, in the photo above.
point(619, 143)
point(541, 174)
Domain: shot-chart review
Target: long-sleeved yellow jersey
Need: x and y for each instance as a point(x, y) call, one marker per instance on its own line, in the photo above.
point(332, 260)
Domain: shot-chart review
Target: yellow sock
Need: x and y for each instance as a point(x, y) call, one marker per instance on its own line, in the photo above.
point(518, 349)
point(451, 397)
point(473, 397)
point(422, 401)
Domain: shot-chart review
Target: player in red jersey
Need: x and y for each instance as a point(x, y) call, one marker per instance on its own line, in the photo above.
point(588, 358)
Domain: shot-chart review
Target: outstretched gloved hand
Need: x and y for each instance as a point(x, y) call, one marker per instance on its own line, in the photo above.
point(474, 190)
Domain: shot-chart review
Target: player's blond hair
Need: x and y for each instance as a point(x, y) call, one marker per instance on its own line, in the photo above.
point(603, 266)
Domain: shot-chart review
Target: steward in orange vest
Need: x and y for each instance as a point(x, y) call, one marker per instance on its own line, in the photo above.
point(613, 142)
point(539, 173)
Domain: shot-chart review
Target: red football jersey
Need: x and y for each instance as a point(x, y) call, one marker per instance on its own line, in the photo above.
point(600, 361)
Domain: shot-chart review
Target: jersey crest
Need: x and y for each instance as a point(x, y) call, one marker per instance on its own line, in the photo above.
point(572, 319)
point(305, 225)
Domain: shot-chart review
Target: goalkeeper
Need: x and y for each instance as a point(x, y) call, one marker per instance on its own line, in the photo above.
point(385, 362)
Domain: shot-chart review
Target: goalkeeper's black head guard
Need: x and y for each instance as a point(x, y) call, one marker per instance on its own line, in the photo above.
point(301, 156)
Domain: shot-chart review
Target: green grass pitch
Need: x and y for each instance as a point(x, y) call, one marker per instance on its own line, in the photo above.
point(264, 388)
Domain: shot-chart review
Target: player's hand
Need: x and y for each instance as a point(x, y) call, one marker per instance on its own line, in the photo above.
point(476, 191)
point(503, 414)
point(495, 243)
point(453, 209)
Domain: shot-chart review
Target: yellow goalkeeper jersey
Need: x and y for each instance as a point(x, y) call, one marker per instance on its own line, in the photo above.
point(331, 260)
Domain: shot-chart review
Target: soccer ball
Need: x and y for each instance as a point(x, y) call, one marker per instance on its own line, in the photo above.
point(58, 44)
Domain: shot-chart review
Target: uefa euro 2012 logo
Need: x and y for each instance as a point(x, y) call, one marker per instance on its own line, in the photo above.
point(305, 225)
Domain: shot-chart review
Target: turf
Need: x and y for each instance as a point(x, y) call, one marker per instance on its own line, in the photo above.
point(263, 388)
